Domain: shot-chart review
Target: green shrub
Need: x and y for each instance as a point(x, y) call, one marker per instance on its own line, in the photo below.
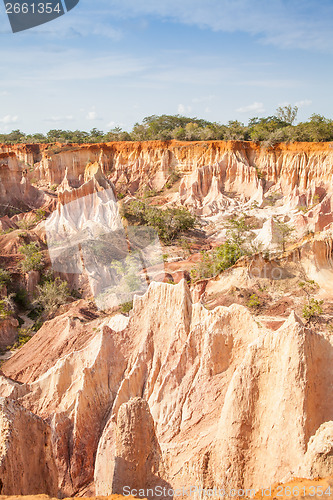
point(238, 230)
point(272, 199)
point(33, 260)
point(24, 335)
point(24, 224)
point(126, 307)
point(254, 302)
point(21, 298)
point(37, 325)
point(313, 309)
point(52, 294)
point(216, 261)
point(23, 235)
point(309, 287)
point(5, 309)
point(173, 178)
point(40, 214)
point(4, 277)
point(149, 193)
point(315, 200)
point(7, 231)
point(168, 223)
point(302, 208)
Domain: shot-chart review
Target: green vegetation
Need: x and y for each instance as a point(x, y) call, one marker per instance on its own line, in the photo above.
point(168, 223)
point(285, 233)
point(5, 308)
point(126, 307)
point(287, 114)
point(33, 258)
point(21, 298)
point(216, 261)
point(24, 335)
point(254, 302)
point(4, 277)
point(24, 224)
point(226, 255)
point(173, 178)
point(149, 193)
point(39, 215)
point(309, 287)
point(313, 309)
point(269, 130)
point(237, 230)
point(127, 271)
point(52, 294)
point(315, 201)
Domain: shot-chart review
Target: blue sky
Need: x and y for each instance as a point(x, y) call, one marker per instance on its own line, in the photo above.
point(112, 62)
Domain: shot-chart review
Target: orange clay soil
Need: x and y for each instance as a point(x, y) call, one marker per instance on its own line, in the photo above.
point(46, 497)
point(127, 146)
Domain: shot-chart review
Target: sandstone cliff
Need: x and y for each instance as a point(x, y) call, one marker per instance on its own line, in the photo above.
point(26, 458)
point(224, 400)
point(209, 168)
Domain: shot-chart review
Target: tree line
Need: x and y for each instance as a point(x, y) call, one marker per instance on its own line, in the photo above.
point(270, 130)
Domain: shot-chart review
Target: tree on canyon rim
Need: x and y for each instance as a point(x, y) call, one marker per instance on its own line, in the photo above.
point(287, 113)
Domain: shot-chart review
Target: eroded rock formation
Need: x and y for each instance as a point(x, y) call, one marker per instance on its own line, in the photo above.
point(175, 394)
point(26, 458)
point(209, 397)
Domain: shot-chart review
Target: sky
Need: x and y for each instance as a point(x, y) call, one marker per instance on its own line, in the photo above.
point(110, 63)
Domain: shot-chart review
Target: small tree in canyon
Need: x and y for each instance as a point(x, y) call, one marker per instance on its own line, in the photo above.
point(285, 233)
point(313, 309)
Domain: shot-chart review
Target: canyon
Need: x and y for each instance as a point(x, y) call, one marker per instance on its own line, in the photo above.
point(214, 381)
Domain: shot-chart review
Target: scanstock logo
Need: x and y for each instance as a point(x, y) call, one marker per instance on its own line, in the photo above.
point(25, 14)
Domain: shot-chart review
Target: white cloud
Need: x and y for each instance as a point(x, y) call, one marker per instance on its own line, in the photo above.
point(69, 65)
point(92, 115)
point(182, 109)
point(256, 107)
point(8, 119)
point(283, 24)
point(302, 104)
point(113, 124)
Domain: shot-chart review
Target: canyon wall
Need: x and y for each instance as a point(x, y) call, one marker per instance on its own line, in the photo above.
point(207, 168)
point(177, 396)
point(173, 394)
